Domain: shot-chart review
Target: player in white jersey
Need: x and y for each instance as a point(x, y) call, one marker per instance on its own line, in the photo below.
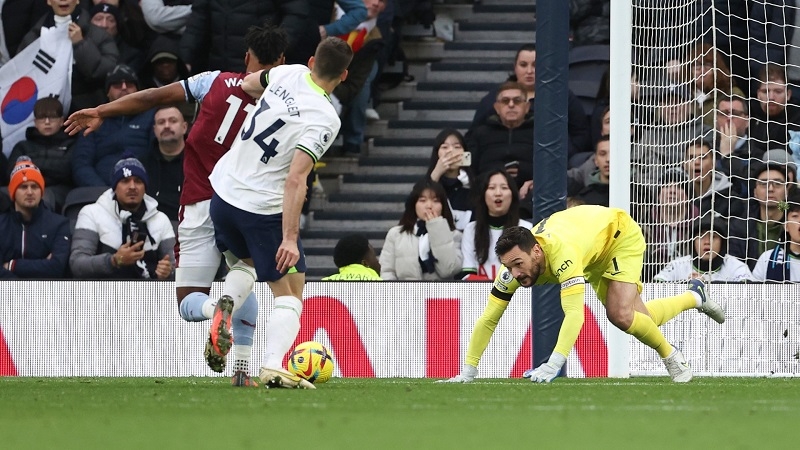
point(224, 108)
point(259, 189)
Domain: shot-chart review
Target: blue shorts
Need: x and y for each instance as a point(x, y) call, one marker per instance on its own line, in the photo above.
point(254, 236)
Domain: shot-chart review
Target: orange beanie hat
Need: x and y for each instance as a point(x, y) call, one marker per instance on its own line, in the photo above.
point(24, 170)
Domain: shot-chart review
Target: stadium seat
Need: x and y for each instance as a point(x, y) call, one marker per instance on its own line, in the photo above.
point(586, 91)
point(77, 199)
point(588, 62)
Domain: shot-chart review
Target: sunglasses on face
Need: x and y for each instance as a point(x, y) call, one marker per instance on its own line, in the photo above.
point(511, 100)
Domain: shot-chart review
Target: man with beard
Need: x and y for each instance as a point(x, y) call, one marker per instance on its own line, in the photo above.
point(594, 244)
point(123, 235)
point(165, 166)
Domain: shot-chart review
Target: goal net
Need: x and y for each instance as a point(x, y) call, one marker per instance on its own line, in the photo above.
point(715, 143)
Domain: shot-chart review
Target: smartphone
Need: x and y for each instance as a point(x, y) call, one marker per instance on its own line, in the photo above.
point(512, 165)
point(137, 237)
point(466, 159)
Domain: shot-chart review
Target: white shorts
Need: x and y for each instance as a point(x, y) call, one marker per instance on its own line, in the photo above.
point(196, 250)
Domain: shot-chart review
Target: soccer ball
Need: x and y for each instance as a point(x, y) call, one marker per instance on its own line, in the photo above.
point(312, 361)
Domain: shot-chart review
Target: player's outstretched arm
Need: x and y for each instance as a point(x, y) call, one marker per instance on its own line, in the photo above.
point(572, 304)
point(479, 339)
point(86, 119)
point(90, 119)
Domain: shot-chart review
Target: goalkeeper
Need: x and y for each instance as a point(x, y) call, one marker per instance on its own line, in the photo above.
point(603, 246)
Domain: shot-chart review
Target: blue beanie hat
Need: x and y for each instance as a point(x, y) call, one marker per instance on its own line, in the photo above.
point(128, 166)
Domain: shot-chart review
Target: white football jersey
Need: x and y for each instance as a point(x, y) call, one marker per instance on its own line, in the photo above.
point(491, 267)
point(293, 114)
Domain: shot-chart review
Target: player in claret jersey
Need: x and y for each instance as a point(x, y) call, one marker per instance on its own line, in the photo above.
point(224, 107)
point(605, 247)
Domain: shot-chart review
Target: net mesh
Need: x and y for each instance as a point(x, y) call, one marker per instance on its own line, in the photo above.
point(715, 134)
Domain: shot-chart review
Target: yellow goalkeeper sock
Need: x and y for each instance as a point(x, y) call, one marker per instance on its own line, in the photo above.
point(662, 310)
point(645, 330)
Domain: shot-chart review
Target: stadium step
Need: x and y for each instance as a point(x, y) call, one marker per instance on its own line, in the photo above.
point(521, 33)
point(366, 193)
point(489, 51)
point(483, 13)
point(436, 110)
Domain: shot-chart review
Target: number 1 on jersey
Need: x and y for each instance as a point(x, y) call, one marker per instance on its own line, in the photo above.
point(234, 103)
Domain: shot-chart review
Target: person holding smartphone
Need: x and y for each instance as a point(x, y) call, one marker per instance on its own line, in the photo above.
point(123, 235)
point(450, 166)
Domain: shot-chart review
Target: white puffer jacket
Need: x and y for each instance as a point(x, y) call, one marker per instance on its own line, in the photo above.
point(400, 255)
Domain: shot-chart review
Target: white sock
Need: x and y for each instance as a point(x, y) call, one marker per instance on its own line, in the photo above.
point(208, 307)
point(239, 283)
point(241, 355)
point(697, 298)
point(282, 328)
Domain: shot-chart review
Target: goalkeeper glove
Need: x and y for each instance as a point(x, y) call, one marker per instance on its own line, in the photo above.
point(548, 371)
point(468, 373)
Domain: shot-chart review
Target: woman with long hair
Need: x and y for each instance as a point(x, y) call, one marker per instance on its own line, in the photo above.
point(448, 167)
point(425, 245)
point(497, 200)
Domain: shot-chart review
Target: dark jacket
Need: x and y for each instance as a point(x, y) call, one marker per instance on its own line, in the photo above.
point(320, 12)
point(214, 36)
point(580, 139)
point(38, 249)
point(595, 193)
point(51, 154)
point(772, 132)
point(358, 71)
point(94, 57)
point(94, 156)
point(18, 17)
point(493, 146)
point(590, 21)
point(749, 238)
point(162, 43)
point(165, 179)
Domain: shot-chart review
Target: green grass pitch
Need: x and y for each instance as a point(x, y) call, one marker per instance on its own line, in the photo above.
point(200, 413)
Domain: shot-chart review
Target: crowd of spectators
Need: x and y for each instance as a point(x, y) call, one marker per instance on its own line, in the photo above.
point(707, 141)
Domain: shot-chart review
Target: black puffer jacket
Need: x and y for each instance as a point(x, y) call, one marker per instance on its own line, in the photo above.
point(51, 154)
point(493, 145)
point(214, 36)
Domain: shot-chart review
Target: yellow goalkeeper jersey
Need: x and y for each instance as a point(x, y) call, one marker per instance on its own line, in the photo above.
point(585, 243)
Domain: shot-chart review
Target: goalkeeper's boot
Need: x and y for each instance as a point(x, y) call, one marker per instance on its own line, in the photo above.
point(242, 379)
point(708, 307)
point(678, 368)
point(279, 378)
point(219, 336)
